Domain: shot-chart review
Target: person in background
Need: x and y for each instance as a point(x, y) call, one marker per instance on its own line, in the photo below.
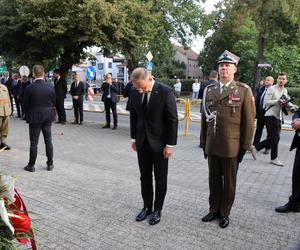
point(177, 88)
point(24, 83)
point(16, 92)
point(5, 112)
point(110, 98)
point(61, 89)
point(212, 79)
point(77, 92)
point(8, 82)
point(195, 88)
point(127, 92)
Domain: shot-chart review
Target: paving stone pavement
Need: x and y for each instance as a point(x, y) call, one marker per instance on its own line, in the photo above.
point(91, 198)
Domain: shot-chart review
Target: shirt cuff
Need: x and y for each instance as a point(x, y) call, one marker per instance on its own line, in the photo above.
point(170, 146)
point(132, 140)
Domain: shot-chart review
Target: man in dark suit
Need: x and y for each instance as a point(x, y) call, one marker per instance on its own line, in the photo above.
point(260, 113)
point(110, 98)
point(126, 93)
point(60, 86)
point(153, 127)
point(77, 93)
point(8, 82)
point(39, 105)
point(16, 92)
point(212, 79)
point(293, 204)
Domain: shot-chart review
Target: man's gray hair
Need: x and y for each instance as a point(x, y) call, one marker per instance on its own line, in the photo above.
point(139, 73)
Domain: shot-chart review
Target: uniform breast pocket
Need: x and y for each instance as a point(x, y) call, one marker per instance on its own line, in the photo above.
point(234, 108)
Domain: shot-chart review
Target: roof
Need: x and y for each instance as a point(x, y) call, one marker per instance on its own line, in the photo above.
point(188, 52)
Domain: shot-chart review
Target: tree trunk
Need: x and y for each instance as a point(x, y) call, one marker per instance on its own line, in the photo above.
point(259, 59)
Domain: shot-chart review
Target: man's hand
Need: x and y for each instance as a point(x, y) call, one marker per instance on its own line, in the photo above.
point(167, 152)
point(240, 155)
point(133, 146)
point(75, 97)
point(296, 124)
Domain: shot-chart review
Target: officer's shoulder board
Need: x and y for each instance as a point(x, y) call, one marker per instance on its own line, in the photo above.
point(244, 85)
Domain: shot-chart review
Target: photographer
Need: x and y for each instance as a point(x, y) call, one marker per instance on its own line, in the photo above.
point(275, 99)
point(293, 204)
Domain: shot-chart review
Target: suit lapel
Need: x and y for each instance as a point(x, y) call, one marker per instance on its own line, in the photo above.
point(153, 96)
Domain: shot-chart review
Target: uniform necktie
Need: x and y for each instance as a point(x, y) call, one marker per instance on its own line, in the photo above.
point(145, 102)
point(223, 88)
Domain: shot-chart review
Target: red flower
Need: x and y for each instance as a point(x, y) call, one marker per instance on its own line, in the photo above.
point(21, 225)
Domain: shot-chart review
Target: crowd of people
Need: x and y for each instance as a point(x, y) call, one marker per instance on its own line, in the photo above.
point(228, 112)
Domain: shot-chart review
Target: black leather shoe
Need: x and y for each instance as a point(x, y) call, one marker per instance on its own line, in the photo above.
point(50, 167)
point(210, 217)
point(155, 217)
point(75, 122)
point(143, 214)
point(106, 126)
point(114, 127)
point(288, 208)
point(29, 168)
point(4, 146)
point(224, 221)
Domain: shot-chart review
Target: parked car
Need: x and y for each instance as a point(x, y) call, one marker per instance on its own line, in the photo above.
point(96, 88)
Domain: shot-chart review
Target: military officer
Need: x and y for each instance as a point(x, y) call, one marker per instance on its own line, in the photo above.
point(226, 134)
point(5, 112)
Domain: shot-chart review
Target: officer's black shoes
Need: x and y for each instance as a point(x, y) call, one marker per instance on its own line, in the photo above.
point(288, 208)
point(155, 217)
point(4, 146)
point(114, 127)
point(29, 168)
point(224, 221)
point(106, 126)
point(50, 167)
point(210, 217)
point(143, 214)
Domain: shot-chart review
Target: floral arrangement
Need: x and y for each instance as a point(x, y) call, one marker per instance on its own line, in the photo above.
point(15, 223)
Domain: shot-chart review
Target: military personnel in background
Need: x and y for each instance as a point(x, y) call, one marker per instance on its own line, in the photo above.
point(226, 134)
point(5, 112)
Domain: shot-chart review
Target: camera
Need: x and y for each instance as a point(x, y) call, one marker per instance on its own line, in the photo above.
point(286, 104)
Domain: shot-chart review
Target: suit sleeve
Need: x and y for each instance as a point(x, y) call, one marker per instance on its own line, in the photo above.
point(114, 88)
point(248, 114)
point(133, 119)
point(65, 87)
point(26, 100)
point(126, 90)
point(171, 118)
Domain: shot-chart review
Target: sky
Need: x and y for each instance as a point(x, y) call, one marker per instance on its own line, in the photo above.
point(198, 43)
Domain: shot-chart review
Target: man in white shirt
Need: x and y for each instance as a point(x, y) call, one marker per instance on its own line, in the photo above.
point(177, 88)
point(195, 88)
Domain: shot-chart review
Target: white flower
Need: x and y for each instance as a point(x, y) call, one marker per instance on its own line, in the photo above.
point(8, 182)
point(4, 216)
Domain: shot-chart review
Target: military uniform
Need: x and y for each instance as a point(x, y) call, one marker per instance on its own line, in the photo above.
point(5, 112)
point(224, 137)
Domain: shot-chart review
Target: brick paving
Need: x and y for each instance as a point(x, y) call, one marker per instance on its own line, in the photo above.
point(91, 198)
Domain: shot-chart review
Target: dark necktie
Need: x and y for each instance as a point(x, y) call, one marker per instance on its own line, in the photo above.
point(145, 102)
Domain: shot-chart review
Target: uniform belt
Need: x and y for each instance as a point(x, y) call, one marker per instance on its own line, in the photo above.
point(4, 101)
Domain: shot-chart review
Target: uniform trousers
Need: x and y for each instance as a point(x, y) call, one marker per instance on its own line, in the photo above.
point(4, 127)
point(295, 197)
point(149, 160)
point(273, 125)
point(222, 183)
point(34, 134)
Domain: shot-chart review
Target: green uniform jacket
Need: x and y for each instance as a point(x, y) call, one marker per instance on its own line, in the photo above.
point(5, 105)
point(234, 126)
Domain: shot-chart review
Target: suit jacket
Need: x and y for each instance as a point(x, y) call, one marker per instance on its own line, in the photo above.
point(160, 123)
point(203, 86)
point(259, 93)
point(39, 102)
point(296, 139)
point(78, 91)
point(22, 89)
point(126, 93)
point(5, 105)
point(112, 89)
point(61, 88)
point(235, 120)
point(17, 89)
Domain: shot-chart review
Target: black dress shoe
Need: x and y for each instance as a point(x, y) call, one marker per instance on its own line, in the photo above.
point(288, 208)
point(224, 221)
point(155, 217)
point(143, 214)
point(210, 217)
point(29, 168)
point(114, 127)
point(50, 167)
point(4, 146)
point(75, 122)
point(62, 123)
point(106, 126)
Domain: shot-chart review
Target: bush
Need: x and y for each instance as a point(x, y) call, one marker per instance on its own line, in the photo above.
point(186, 84)
point(294, 92)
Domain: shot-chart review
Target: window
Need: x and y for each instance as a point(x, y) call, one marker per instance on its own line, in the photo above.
point(109, 65)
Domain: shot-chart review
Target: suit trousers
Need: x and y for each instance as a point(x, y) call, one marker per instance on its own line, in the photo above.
point(4, 127)
point(78, 110)
point(260, 123)
point(273, 125)
point(110, 105)
point(222, 183)
point(60, 109)
point(18, 106)
point(34, 134)
point(149, 160)
point(295, 197)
